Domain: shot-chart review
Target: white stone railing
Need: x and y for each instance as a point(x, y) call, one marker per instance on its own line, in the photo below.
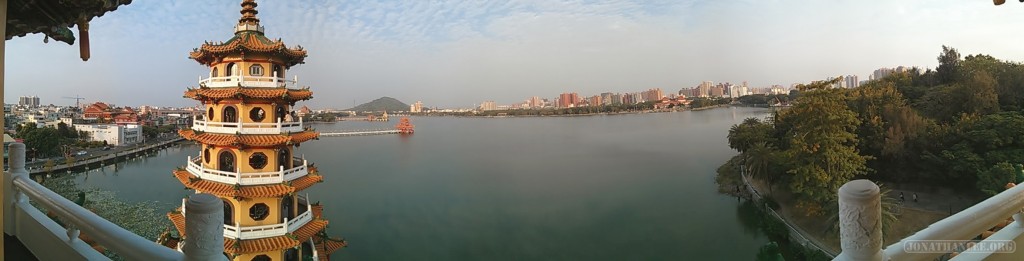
point(861, 236)
point(48, 240)
point(246, 127)
point(249, 81)
point(253, 178)
point(248, 27)
point(272, 230)
point(316, 256)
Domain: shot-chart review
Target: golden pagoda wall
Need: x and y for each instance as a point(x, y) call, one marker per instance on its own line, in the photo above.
point(243, 65)
point(243, 110)
point(241, 213)
point(242, 158)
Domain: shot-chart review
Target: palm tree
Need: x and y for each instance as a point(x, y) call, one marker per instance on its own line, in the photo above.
point(759, 158)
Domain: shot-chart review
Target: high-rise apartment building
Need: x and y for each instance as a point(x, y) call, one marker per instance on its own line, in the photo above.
point(704, 90)
point(416, 107)
point(778, 89)
point(568, 100)
point(595, 100)
point(852, 81)
point(28, 101)
point(717, 91)
point(606, 98)
point(882, 73)
point(535, 102)
point(616, 99)
point(653, 94)
point(488, 106)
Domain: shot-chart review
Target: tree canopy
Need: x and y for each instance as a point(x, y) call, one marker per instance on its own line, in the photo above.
point(958, 125)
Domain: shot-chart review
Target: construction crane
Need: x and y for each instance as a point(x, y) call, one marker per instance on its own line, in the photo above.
point(77, 100)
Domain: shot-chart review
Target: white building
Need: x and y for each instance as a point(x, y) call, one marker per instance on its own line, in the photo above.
point(778, 89)
point(488, 106)
point(113, 134)
point(852, 81)
point(416, 107)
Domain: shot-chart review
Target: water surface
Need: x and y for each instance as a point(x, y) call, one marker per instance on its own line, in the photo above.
point(615, 187)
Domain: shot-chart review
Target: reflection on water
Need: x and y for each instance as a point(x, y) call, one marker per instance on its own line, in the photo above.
point(750, 220)
point(618, 187)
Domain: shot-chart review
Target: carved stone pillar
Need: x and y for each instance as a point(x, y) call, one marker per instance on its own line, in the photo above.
point(860, 221)
point(204, 228)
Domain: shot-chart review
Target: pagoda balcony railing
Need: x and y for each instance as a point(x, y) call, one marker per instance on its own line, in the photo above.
point(312, 245)
point(246, 127)
point(249, 81)
point(301, 168)
point(272, 230)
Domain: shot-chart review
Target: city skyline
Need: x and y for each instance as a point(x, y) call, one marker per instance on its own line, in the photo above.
point(455, 54)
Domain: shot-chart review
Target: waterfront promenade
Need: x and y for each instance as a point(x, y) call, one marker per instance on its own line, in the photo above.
point(99, 156)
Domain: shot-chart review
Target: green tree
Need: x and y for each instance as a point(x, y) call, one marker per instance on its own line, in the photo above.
point(949, 65)
point(752, 130)
point(823, 153)
point(994, 180)
point(149, 131)
point(940, 103)
point(66, 131)
point(907, 134)
point(760, 161)
point(979, 94)
point(45, 141)
point(869, 102)
point(770, 252)
point(974, 144)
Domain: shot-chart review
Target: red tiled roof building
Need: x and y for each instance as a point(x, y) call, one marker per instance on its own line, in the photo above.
point(103, 111)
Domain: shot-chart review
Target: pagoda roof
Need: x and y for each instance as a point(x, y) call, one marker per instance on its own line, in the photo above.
point(318, 210)
point(53, 18)
point(203, 93)
point(328, 245)
point(246, 246)
point(252, 140)
point(249, 38)
point(257, 191)
point(248, 42)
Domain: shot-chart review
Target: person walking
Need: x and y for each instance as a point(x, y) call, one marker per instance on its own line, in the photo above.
point(902, 199)
point(915, 197)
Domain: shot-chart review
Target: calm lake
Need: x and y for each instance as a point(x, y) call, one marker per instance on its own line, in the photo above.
point(616, 187)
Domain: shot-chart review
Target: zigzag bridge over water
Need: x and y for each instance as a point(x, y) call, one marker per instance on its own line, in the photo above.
point(345, 133)
point(403, 127)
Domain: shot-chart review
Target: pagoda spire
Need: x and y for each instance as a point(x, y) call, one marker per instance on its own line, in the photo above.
point(248, 22)
point(249, 13)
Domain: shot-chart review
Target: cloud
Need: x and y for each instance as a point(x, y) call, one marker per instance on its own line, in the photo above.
point(457, 53)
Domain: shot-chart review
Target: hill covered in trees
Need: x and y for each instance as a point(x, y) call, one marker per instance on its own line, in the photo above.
point(382, 104)
point(957, 126)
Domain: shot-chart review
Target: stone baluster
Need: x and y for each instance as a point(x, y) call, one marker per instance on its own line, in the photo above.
point(16, 161)
point(860, 221)
point(204, 230)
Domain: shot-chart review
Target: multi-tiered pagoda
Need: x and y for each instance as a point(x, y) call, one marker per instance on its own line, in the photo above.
point(249, 137)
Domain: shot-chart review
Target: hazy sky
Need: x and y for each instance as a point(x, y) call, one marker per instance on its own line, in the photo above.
point(460, 53)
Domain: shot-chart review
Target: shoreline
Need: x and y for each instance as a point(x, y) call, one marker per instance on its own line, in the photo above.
point(111, 158)
point(583, 114)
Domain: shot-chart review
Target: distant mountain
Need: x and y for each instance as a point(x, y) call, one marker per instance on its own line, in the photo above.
point(382, 104)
